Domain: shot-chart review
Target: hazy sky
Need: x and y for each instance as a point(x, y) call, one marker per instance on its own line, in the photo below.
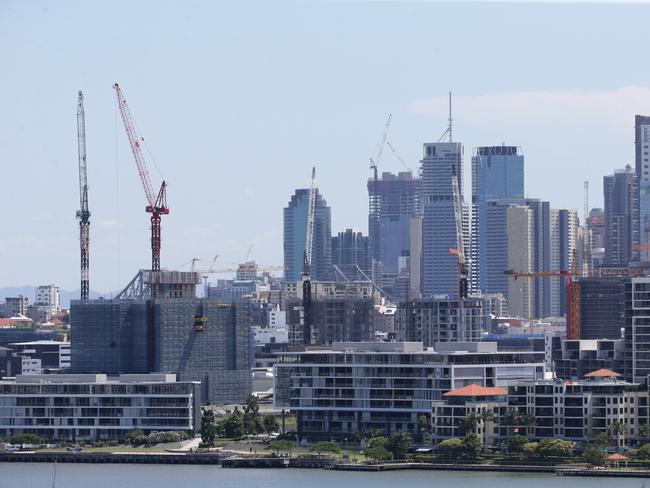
point(238, 100)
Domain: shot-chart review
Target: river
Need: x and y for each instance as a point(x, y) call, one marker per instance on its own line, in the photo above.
point(26, 475)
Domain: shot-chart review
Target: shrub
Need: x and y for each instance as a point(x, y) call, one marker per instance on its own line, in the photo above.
point(554, 448)
point(325, 446)
point(25, 439)
point(516, 443)
point(451, 447)
point(643, 452)
point(378, 453)
point(595, 456)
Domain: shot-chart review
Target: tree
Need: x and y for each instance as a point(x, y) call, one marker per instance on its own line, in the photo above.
point(25, 439)
point(135, 436)
point(527, 420)
point(233, 426)
point(485, 416)
point(509, 420)
point(451, 447)
point(469, 424)
point(399, 443)
point(378, 453)
point(208, 428)
point(516, 443)
point(471, 445)
point(644, 431)
point(603, 439)
point(554, 448)
point(252, 405)
point(377, 441)
point(270, 424)
point(325, 446)
point(529, 450)
point(617, 430)
point(279, 445)
point(424, 427)
point(595, 456)
point(643, 452)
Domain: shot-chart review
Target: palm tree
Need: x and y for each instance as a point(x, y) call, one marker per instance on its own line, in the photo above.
point(485, 416)
point(469, 424)
point(618, 429)
point(644, 431)
point(527, 420)
point(509, 420)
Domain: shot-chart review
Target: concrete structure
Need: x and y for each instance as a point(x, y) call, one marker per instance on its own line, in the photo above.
point(637, 329)
point(602, 307)
point(386, 386)
point(621, 211)
point(394, 201)
point(295, 231)
point(340, 312)
point(572, 359)
point(37, 357)
point(642, 171)
point(49, 295)
point(415, 258)
point(448, 415)
point(441, 161)
point(352, 248)
point(76, 407)
point(16, 306)
point(497, 174)
point(579, 410)
point(432, 320)
point(564, 241)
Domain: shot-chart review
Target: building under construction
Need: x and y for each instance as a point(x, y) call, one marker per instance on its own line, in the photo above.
point(156, 324)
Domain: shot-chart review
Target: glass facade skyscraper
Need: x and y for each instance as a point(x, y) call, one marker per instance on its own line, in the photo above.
point(497, 174)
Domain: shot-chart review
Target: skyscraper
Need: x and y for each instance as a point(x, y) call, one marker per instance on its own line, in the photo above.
point(642, 170)
point(393, 202)
point(497, 173)
point(621, 208)
point(351, 248)
point(563, 238)
point(295, 232)
point(442, 161)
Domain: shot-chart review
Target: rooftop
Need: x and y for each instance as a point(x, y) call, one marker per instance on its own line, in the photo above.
point(476, 390)
point(602, 373)
point(91, 378)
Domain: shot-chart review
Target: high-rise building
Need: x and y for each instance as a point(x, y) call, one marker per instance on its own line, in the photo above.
point(564, 239)
point(295, 234)
point(198, 339)
point(431, 320)
point(621, 209)
point(597, 228)
point(521, 250)
point(636, 336)
point(393, 202)
point(642, 170)
point(15, 306)
point(441, 162)
point(352, 248)
point(49, 295)
point(415, 260)
point(497, 173)
point(602, 307)
point(541, 255)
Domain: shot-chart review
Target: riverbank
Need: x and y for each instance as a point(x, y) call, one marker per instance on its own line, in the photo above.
point(270, 462)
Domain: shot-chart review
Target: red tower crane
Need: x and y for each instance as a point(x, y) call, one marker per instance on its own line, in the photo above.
point(157, 203)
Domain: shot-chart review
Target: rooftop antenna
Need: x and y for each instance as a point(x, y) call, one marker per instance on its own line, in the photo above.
point(448, 130)
point(450, 119)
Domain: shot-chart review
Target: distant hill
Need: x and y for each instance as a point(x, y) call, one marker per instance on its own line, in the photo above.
point(66, 295)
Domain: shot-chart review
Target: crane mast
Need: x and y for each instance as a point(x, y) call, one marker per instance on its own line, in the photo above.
point(306, 267)
point(83, 214)
point(157, 202)
point(460, 244)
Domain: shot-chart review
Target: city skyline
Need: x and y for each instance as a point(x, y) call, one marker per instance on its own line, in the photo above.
point(206, 122)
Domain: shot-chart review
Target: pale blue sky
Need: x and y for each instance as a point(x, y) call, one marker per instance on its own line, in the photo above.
point(238, 100)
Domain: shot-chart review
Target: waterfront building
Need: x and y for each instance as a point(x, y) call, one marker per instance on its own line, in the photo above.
point(295, 232)
point(386, 386)
point(441, 162)
point(432, 320)
point(621, 209)
point(198, 339)
point(573, 359)
point(448, 415)
point(74, 407)
point(579, 410)
point(497, 174)
point(352, 248)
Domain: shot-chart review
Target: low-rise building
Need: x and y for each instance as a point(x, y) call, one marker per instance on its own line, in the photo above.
point(386, 386)
point(94, 406)
point(36, 357)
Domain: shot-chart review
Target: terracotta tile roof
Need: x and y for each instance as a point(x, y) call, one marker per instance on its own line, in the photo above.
point(602, 373)
point(476, 390)
point(617, 457)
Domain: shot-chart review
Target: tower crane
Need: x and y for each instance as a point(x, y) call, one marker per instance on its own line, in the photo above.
point(306, 265)
point(156, 202)
point(401, 159)
point(83, 214)
point(380, 149)
point(459, 252)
